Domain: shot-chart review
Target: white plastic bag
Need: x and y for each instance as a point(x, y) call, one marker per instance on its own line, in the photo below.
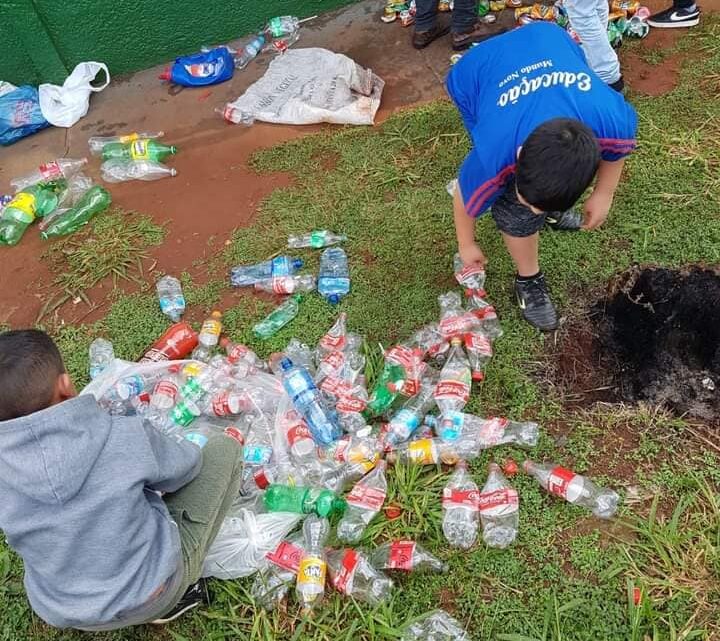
point(243, 541)
point(307, 86)
point(64, 106)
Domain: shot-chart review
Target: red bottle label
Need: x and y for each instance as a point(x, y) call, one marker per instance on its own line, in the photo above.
point(457, 325)
point(363, 496)
point(467, 272)
point(298, 432)
point(235, 434)
point(166, 388)
point(559, 480)
point(287, 556)
point(347, 569)
point(332, 343)
point(403, 356)
point(330, 385)
point(350, 404)
point(50, 170)
point(461, 498)
point(401, 555)
point(334, 360)
point(237, 353)
point(449, 390)
point(220, 405)
point(341, 447)
point(490, 501)
point(492, 430)
point(477, 342)
point(175, 344)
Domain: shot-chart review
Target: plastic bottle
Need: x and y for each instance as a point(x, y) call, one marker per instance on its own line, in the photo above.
point(170, 297)
point(424, 451)
point(315, 239)
point(363, 503)
point(237, 353)
point(166, 390)
point(281, 26)
point(140, 149)
point(305, 397)
point(302, 500)
point(21, 211)
point(387, 388)
point(453, 388)
point(278, 318)
point(224, 403)
point(310, 586)
point(117, 170)
point(454, 320)
point(404, 422)
point(272, 585)
point(405, 555)
point(209, 337)
point(470, 278)
point(101, 355)
point(479, 352)
point(301, 446)
point(176, 343)
point(486, 315)
point(250, 51)
point(499, 509)
point(334, 277)
point(96, 143)
point(363, 450)
point(287, 284)
point(95, 200)
point(490, 432)
point(248, 275)
point(352, 574)
point(432, 343)
point(460, 508)
point(131, 385)
point(58, 168)
point(574, 488)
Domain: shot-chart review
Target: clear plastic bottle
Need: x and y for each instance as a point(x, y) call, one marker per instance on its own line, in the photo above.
point(209, 337)
point(101, 355)
point(424, 451)
point(574, 488)
point(287, 284)
point(281, 26)
point(453, 388)
point(479, 353)
point(117, 170)
point(250, 51)
point(455, 322)
point(278, 318)
point(310, 586)
point(499, 509)
point(460, 508)
point(432, 343)
point(171, 298)
point(334, 278)
point(301, 446)
point(363, 503)
point(483, 433)
point(406, 420)
point(248, 275)
point(96, 143)
point(316, 239)
point(486, 315)
point(58, 168)
point(272, 585)
point(335, 339)
point(352, 574)
point(167, 390)
point(470, 278)
point(239, 353)
point(405, 555)
point(435, 626)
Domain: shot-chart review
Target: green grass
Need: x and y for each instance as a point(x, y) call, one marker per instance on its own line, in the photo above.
point(570, 577)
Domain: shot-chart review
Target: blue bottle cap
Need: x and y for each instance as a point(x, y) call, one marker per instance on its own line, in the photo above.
point(286, 364)
point(333, 299)
point(298, 263)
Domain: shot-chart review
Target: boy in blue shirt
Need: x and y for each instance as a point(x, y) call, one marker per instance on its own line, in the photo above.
point(543, 125)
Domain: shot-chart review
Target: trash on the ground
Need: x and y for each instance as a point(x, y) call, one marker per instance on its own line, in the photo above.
point(35, 201)
point(316, 239)
point(20, 114)
point(310, 586)
point(101, 354)
point(52, 170)
point(129, 158)
point(209, 337)
point(334, 278)
point(278, 318)
point(460, 505)
point(278, 267)
point(406, 556)
point(435, 626)
point(352, 574)
point(499, 509)
point(64, 105)
point(201, 69)
point(287, 284)
point(364, 501)
point(97, 143)
point(342, 91)
point(95, 200)
point(170, 297)
point(175, 344)
point(116, 171)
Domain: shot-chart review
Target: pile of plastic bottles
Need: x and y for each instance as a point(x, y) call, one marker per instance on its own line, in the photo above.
point(317, 443)
point(135, 156)
point(627, 18)
point(57, 194)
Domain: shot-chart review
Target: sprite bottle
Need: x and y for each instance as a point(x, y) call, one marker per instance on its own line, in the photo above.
point(278, 318)
point(95, 200)
point(36, 201)
point(141, 149)
point(302, 500)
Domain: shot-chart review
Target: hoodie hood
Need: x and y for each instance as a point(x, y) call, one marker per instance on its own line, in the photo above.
point(49, 454)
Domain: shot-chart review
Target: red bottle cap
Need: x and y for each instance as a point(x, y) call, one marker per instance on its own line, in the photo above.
point(510, 467)
point(166, 74)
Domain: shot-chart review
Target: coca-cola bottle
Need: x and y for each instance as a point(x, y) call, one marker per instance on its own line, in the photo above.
point(363, 503)
point(175, 344)
point(352, 574)
point(460, 508)
point(499, 509)
point(405, 555)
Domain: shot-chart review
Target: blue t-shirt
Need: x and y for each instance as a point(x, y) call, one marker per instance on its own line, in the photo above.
point(509, 85)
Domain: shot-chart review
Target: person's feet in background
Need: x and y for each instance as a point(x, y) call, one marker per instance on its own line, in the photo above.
point(683, 13)
point(466, 28)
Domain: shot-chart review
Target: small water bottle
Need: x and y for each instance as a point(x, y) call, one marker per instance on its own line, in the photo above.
point(250, 51)
point(334, 279)
point(170, 296)
point(101, 355)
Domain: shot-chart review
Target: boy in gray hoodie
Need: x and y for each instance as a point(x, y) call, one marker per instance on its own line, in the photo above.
point(81, 498)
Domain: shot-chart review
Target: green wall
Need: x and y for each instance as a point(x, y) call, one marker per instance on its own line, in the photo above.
point(43, 39)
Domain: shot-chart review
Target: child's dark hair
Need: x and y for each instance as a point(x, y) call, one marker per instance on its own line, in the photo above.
point(30, 364)
point(556, 164)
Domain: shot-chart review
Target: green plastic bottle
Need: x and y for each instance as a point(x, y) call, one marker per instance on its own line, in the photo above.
point(141, 149)
point(302, 500)
point(386, 390)
point(278, 318)
point(36, 201)
point(95, 200)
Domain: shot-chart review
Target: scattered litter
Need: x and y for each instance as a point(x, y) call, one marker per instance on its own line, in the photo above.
point(435, 626)
point(20, 114)
point(64, 105)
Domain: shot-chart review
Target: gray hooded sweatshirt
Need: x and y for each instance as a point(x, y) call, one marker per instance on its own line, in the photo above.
point(79, 504)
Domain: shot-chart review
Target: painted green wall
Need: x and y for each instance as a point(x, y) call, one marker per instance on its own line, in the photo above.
point(43, 39)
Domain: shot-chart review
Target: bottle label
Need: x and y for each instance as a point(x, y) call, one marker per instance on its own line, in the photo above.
point(198, 439)
point(499, 502)
point(287, 556)
point(485, 313)
point(341, 447)
point(421, 451)
point(166, 388)
point(452, 390)
point(237, 353)
point(50, 170)
point(311, 571)
point(201, 70)
point(457, 325)
point(317, 239)
point(401, 555)
point(469, 272)
point(225, 404)
point(405, 422)
point(256, 454)
point(492, 431)
point(128, 138)
point(343, 579)
point(559, 480)
point(171, 303)
point(330, 385)
point(139, 150)
point(364, 496)
point(332, 342)
point(211, 327)
point(403, 356)
point(347, 403)
point(25, 204)
point(461, 498)
point(334, 360)
point(298, 432)
point(477, 342)
point(235, 434)
point(183, 414)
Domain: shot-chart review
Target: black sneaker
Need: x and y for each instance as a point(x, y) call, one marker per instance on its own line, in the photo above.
point(194, 596)
point(534, 301)
point(569, 220)
point(673, 18)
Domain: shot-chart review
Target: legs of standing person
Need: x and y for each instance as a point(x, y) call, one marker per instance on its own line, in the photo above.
point(426, 12)
point(589, 20)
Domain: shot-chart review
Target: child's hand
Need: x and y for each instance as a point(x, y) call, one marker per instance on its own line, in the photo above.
point(472, 255)
point(597, 207)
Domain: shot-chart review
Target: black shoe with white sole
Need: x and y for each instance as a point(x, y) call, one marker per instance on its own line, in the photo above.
point(673, 18)
point(194, 596)
point(534, 301)
point(569, 220)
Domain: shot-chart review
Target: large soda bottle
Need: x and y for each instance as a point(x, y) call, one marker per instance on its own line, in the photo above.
point(95, 200)
point(405, 555)
point(454, 320)
point(574, 488)
point(335, 339)
point(363, 503)
point(58, 168)
point(302, 500)
point(96, 143)
point(305, 397)
point(140, 149)
point(404, 422)
point(170, 297)
point(334, 278)
point(316, 239)
point(453, 389)
point(250, 51)
point(209, 337)
point(117, 170)
point(21, 211)
point(272, 585)
point(175, 344)
point(489, 432)
point(310, 586)
point(499, 510)
point(101, 355)
point(470, 278)
point(278, 318)
point(460, 508)
point(352, 574)
point(479, 352)
point(424, 451)
point(287, 284)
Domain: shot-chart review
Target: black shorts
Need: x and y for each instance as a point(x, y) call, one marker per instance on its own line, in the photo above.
point(512, 217)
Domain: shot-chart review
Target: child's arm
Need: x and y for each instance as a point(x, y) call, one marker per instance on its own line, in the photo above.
point(470, 253)
point(598, 204)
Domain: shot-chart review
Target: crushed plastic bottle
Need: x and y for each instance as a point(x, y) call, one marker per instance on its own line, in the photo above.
point(335, 339)
point(455, 322)
point(239, 353)
point(406, 420)
point(363, 503)
point(460, 503)
point(352, 574)
point(469, 278)
point(315, 239)
point(387, 388)
point(58, 168)
point(101, 355)
point(118, 170)
point(574, 488)
point(499, 509)
point(201, 69)
point(95, 200)
point(97, 143)
point(209, 337)
point(248, 275)
point(453, 388)
point(489, 432)
point(250, 51)
point(281, 26)
point(479, 352)
point(302, 500)
point(334, 278)
point(23, 209)
point(435, 626)
point(170, 297)
point(405, 555)
point(140, 149)
point(287, 284)
point(272, 585)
